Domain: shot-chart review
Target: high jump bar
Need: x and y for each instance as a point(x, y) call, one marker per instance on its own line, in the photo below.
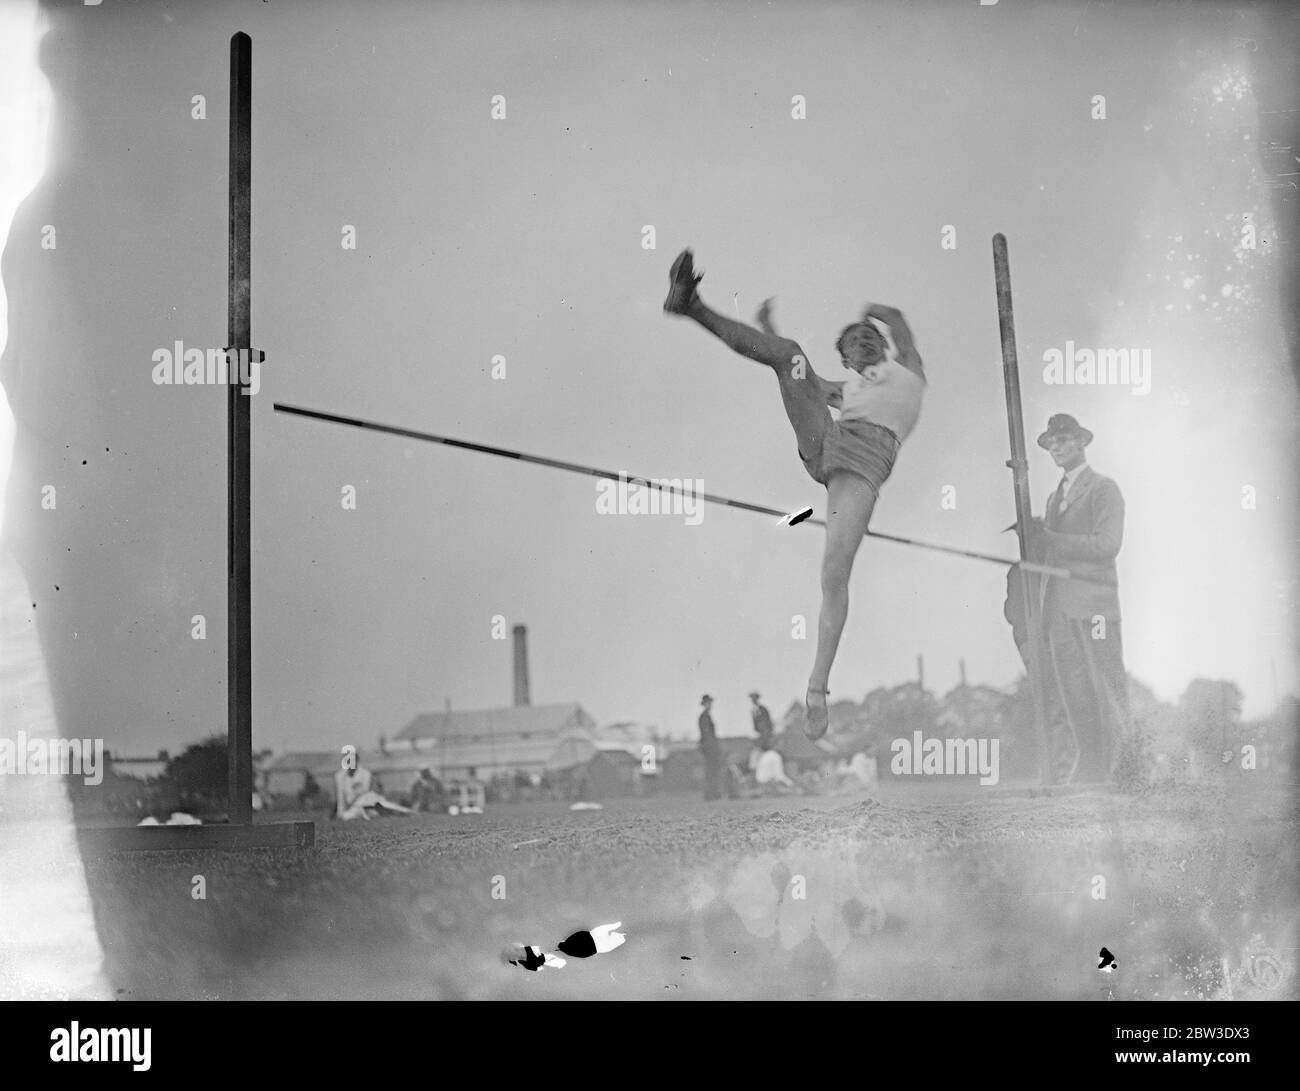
point(593, 471)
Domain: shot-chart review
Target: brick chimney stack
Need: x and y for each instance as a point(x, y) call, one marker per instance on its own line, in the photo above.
point(521, 666)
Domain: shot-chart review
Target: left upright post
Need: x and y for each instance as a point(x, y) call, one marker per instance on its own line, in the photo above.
point(239, 831)
point(239, 724)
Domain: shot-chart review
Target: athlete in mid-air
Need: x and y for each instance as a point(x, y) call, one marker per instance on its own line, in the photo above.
point(879, 403)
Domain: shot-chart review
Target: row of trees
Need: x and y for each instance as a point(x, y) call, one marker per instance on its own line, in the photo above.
point(1169, 740)
point(1202, 729)
point(195, 781)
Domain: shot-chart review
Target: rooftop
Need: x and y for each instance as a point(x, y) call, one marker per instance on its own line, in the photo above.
point(545, 721)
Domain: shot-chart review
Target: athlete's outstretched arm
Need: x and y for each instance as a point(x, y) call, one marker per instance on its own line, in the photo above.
point(832, 391)
point(901, 333)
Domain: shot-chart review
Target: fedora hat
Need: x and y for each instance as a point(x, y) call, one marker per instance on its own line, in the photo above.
point(1062, 424)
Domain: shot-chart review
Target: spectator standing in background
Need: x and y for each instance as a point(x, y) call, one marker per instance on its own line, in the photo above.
point(711, 750)
point(762, 723)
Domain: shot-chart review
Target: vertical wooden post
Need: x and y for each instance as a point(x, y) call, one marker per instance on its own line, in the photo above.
point(240, 833)
point(239, 598)
point(1019, 465)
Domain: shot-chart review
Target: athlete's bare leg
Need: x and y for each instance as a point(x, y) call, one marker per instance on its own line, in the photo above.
point(850, 499)
point(802, 393)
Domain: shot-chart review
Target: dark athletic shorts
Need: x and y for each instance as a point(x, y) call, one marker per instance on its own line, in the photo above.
point(857, 447)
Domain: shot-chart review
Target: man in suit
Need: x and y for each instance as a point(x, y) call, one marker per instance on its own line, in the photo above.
point(711, 750)
point(1024, 588)
point(762, 723)
point(1082, 532)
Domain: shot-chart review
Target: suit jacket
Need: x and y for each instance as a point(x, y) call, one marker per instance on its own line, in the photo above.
point(1084, 534)
point(708, 735)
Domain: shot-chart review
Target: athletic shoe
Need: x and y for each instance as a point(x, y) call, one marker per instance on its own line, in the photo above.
point(681, 284)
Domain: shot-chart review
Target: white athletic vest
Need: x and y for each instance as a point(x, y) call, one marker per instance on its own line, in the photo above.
point(886, 393)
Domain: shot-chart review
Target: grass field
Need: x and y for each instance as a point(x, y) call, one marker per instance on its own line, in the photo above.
point(957, 892)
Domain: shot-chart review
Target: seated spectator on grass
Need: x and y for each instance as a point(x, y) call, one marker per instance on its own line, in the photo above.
point(855, 775)
point(427, 792)
point(357, 799)
point(864, 767)
point(309, 793)
point(770, 771)
point(473, 793)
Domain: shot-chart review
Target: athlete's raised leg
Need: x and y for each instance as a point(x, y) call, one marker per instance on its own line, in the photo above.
point(802, 393)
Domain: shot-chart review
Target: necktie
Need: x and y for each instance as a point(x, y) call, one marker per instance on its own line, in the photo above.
point(1059, 501)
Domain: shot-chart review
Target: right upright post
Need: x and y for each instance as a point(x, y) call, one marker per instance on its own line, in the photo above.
point(1019, 465)
point(239, 596)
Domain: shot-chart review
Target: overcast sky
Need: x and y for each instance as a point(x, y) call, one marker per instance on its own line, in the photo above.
point(523, 237)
